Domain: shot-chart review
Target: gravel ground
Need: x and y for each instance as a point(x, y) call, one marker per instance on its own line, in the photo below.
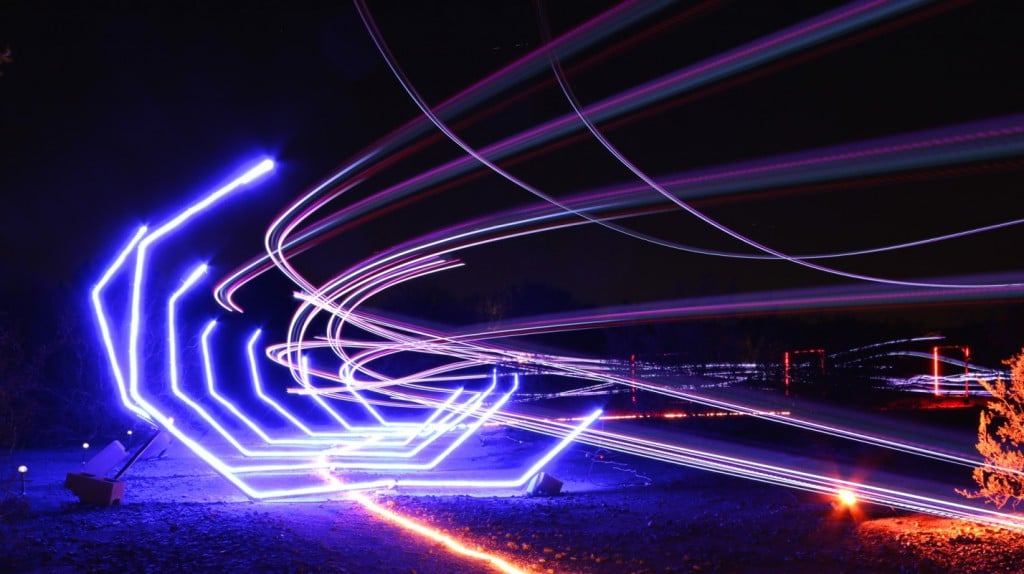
point(700, 526)
point(624, 515)
point(219, 537)
point(703, 526)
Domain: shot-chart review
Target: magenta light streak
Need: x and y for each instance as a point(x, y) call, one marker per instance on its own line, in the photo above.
point(356, 350)
point(304, 380)
point(614, 151)
point(855, 13)
point(599, 27)
point(842, 19)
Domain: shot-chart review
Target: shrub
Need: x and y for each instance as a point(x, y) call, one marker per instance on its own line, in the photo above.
point(1001, 440)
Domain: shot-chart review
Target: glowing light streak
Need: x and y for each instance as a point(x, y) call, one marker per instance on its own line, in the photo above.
point(450, 422)
point(428, 425)
point(191, 280)
point(851, 296)
point(669, 415)
point(432, 463)
point(846, 497)
point(567, 439)
point(101, 320)
point(886, 344)
point(838, 21)
point(853, 11)
point(206, 455)
point(841, 432)
point(792, 421)
point(249, 176)
point(774, 474)
point(172, 335)
point(304, 380)
point(599, 27)
point(435, 535)
point(212, 392)
point(258, 388)
point(993, 132)
point(208, 372)
point(467, 350)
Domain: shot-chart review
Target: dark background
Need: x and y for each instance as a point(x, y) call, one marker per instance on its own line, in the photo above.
point(114, 114)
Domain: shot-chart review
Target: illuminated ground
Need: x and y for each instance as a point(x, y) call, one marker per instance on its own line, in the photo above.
point(743, 209)
point(616, 514)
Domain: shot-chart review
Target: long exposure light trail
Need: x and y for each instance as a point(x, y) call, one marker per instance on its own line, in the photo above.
point(857, 13)
point(806, 424)
point(390, 401)
point(133, 398)
point(970, 151)
point(881, 441)
point(134, 327)
point(435, 535)
point(811, 425)
point(276, 406)
point(104, 324)
point(659, 451)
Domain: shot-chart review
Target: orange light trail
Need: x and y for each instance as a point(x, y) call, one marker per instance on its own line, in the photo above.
point(411, 525)
point(435, 535)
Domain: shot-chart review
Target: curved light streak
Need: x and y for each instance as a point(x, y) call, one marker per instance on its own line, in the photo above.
point(351, 347)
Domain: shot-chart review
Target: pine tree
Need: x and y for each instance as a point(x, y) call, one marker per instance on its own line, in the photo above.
point(1001, 440)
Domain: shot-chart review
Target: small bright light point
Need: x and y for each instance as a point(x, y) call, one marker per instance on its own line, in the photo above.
point(22, 469)
point(129, 432)
point(85, 445)
point(260, 169)
point(846, 497)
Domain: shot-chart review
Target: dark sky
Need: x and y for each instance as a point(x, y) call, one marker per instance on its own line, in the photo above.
point(112, 116)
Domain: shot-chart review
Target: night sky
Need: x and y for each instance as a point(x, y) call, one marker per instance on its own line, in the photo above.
point(111, 117)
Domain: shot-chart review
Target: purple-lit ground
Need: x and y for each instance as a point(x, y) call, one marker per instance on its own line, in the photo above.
point(616, 514)
point(361, 408)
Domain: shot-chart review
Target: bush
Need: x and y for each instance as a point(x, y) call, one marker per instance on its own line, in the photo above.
point(1001, 440)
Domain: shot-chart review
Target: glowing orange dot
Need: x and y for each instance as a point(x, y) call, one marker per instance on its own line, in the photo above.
point(846, 497)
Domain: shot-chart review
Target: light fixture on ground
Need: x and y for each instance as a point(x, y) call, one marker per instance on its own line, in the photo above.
point(22, 470)
point(543, 484)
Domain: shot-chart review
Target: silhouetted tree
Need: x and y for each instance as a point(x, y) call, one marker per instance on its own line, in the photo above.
point(55, 384)
point(1001, 440)
point(19, 378)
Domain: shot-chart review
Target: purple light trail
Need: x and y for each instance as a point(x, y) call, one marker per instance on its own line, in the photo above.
point(354, 363)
